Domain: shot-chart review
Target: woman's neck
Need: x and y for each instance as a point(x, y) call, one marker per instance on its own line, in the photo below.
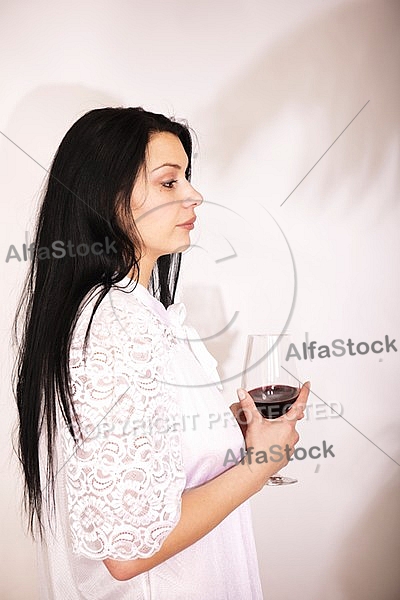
point(146, 266)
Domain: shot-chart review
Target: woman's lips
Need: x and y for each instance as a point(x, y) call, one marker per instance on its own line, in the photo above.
point(188, 225)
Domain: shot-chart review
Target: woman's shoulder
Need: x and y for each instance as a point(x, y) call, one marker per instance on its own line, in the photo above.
point(120, 318)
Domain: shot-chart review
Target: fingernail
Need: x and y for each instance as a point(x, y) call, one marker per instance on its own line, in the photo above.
point(241, 394)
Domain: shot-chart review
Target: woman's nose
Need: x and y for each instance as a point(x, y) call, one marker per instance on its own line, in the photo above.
point(193, 197)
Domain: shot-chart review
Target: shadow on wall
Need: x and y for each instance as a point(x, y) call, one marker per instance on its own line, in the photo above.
point(367, 564)
point(41, 119)
point(331, 66)
point(209, 318)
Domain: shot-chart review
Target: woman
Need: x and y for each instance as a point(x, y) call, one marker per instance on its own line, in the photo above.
point(127, 499)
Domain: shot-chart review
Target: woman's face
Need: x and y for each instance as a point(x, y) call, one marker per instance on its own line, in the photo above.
point(163, 200)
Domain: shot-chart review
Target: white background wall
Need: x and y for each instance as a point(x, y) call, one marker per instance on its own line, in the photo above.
point(268, 86)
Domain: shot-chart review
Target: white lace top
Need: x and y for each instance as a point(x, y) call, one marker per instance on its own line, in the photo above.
point(154, 422)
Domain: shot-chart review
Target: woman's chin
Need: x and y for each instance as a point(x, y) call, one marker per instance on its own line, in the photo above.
point(183, 244)
point(182, 248)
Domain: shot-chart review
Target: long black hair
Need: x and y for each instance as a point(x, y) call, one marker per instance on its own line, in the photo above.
point(85, 209)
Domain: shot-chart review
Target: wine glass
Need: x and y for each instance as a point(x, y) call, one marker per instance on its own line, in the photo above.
point(270, 377)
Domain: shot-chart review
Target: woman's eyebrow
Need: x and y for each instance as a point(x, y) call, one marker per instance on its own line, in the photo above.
point(167, 165)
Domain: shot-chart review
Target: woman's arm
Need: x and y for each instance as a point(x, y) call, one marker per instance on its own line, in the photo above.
point(202, 509)
point(205, 506)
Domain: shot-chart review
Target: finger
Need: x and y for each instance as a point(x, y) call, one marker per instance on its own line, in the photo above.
point(295, 413)
point(303, 395)
point(239, 415)
point(248, 407)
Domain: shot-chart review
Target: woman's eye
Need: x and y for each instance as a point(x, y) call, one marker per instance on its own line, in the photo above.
point(169, 184)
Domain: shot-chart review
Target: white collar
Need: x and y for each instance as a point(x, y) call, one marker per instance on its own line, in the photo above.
point(130, 285)
point(175, 316)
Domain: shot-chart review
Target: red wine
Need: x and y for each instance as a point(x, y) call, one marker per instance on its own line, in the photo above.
point(273, 401)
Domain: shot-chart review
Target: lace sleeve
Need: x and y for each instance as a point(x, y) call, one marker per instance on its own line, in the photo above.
point(125, 480)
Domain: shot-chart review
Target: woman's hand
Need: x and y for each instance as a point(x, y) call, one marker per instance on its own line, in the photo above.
point(274, 438)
